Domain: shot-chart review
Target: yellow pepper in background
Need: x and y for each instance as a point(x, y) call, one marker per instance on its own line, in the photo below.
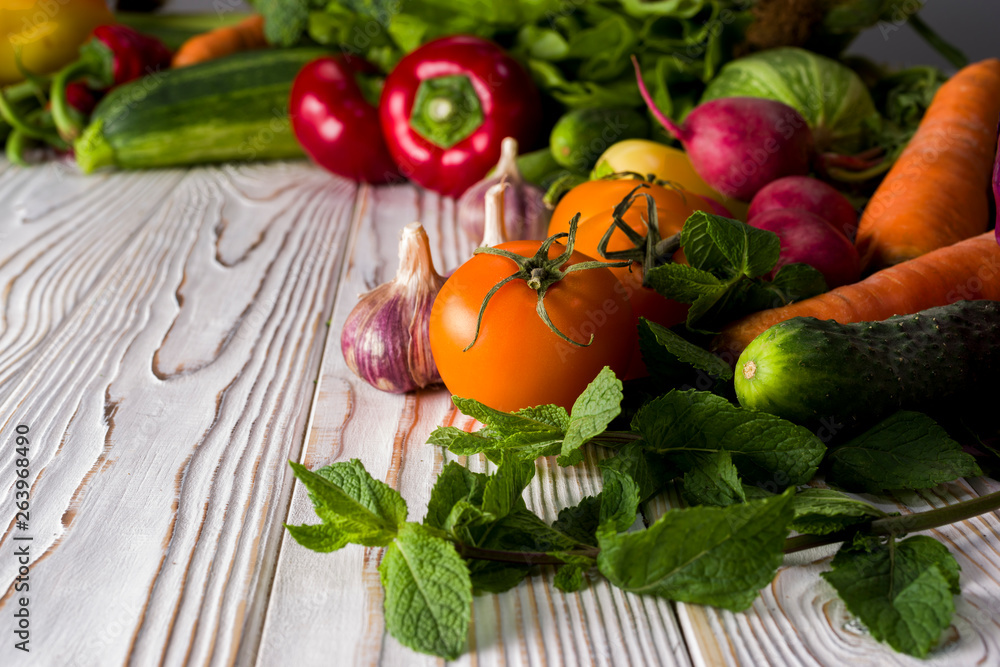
point(47, 33)
point(666, 163)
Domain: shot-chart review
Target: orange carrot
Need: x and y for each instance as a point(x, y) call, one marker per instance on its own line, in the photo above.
point(969, 269)
point(246, 35)
point(936, 193)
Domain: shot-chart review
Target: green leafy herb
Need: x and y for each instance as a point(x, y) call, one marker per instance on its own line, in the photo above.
point(669, 355)
point(428, 593)
point(712, 480)
point(908, 450)
point(824, 511)
point(707, 555)
point(505, 487)
point(765, 448)
point(455, 484)
point(904, 592)
point(581, 520)
point(599, 403)
point(358, 508)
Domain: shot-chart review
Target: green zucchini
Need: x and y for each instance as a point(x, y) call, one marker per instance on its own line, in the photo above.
point(233, 108)
point(810, 371)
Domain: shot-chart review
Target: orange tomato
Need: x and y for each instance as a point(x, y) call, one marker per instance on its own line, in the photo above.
point(517, 361)
point(47, 33)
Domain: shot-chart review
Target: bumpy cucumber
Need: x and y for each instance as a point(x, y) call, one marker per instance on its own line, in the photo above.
point(233, 108)
point(811, 370)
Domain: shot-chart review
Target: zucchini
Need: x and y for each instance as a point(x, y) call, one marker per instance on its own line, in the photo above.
point(233, 108)
point(810, 371)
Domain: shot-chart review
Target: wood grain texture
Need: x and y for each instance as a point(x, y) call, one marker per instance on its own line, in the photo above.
point(161, 336)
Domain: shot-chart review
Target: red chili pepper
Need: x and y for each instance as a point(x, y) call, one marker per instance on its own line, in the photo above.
point(336, 126)
point(113, 55)
point(448, 105)
point(82, 98)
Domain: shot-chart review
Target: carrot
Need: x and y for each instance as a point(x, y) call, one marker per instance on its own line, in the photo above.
point(246, 35)
point(969, 269)
point(936, 193)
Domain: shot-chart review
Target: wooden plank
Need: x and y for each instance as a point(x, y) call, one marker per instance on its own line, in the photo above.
point(799, 620)
point(172, 363)
point(532, 624)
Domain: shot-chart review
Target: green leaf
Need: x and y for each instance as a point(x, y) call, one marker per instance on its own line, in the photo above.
point(569, 578)
point(496, 577)
point(580, 521)
point(428, 593)
point(795, 282)
point(686, 352)
point(908, 450)
point(764, 448)
point(323, 537)
point(593, 410)
point(824, 511)
point(460, 442)
point(503, 424)
point(684, 283)
point(720, 556)
point(505, 487)
point(717, 244)
point(903, 592)
point(365, 510)
point(552, 415)
point(650, 471)
point(712, 480)
point(619, 499)
point(455, 483)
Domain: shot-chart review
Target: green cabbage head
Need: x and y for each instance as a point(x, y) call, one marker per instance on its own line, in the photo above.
point(829, 95)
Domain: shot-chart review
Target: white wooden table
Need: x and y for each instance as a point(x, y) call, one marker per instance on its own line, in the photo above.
point(171, 339)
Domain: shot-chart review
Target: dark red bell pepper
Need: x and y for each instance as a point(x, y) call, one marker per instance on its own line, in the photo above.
point(447, 106)
point(336, 126)
point(113, 55)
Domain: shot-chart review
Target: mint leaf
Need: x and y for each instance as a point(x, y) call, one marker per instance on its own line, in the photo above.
point(593, 410)
point(455, 483)
point(505, 487)
point(712, 480)
point(503, 424)
point(619, 499)
point(794, 282)
point(552, 415)
point(428, 593)
point(580, 521)
point(460, 442)
point(495, 576)
point(323, 537)
point(764, 448)
point(683, 283)
point(720, 556)
point(569, 578)
point(714, 243)
point(650, 471)
point(824, 511)
point(365, 510)
point(903, 592)
point(906, 451)
point(686, 352)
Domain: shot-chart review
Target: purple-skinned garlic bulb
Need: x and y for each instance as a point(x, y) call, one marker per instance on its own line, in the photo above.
point(386, 338)
point(493, 228)
point(525, 214)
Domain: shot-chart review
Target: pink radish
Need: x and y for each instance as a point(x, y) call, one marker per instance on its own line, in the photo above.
point(717, 207)
point(810, 239)
point(740, 144)
point(810, 195)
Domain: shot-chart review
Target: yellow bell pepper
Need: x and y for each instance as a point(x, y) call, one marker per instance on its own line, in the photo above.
point(666, 163)
point(46, 33)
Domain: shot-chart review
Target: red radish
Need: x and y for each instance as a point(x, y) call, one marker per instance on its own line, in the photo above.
point(810, 239)
point(740, 144)
point(717, 208)
point(808, 194)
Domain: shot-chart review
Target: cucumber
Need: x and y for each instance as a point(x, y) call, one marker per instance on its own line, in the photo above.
point(582, 135)
point(813, 371)
point(233, 108)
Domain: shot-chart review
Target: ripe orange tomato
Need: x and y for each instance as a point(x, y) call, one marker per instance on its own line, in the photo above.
point(517, 361)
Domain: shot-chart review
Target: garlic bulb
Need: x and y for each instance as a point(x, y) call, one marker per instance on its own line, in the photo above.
point(525, 214)
point(386, 339)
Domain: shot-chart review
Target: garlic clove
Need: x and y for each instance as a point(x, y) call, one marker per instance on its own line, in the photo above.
point(386, 337)
point(493, 225)
point(525, 214)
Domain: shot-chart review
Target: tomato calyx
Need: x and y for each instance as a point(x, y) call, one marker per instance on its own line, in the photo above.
point(649, 250)
point(540, 273)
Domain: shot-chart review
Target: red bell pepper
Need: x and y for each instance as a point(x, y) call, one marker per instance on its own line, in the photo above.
point(447, 106)
point(113, 55)
point(336, 126)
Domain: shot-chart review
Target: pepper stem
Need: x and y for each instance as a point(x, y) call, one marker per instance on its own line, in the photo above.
point(540, 272)
point(96, 65)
